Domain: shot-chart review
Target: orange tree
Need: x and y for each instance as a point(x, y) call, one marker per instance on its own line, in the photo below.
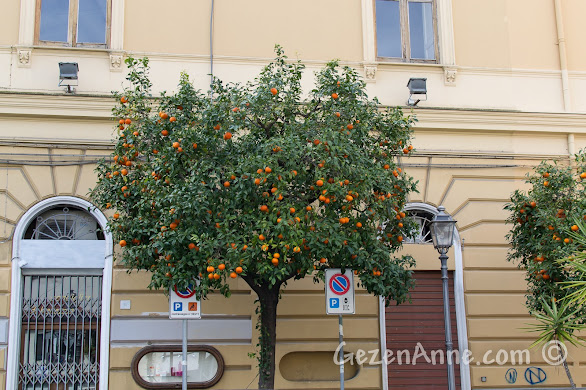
point(543, 220)
point(547, 221)
point(260, 182)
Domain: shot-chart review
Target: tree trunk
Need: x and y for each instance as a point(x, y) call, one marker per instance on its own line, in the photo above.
point(268, 337)
point(565, 364)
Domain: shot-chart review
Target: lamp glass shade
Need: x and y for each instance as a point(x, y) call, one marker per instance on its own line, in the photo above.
point(442, 230)
point(442, 234)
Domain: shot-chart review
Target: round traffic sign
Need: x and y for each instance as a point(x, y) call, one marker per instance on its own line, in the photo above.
point(339, 284)
point(187, 293)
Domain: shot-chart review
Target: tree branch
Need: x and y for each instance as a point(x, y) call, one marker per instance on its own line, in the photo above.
point(256, 288)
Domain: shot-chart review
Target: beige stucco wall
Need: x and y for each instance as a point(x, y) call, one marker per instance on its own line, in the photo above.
point(518, 34)
point(331, 30)
point(468, 161)
point(475, 140)
point(10, 22)
point(506, 34)
point(302, 323)
point(506, 52)
point(574, 27)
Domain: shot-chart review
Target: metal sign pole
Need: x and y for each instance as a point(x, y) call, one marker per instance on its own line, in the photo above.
point(184, 358)
point(341, 337)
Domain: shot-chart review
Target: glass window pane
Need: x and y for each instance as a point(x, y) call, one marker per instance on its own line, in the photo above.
point(165, 367)
point(91, 22)
point(388, 29)
point(54, 20)
point(421, 32)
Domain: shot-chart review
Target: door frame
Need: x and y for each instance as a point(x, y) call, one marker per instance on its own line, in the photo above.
point(14, 331)
point(462, 330)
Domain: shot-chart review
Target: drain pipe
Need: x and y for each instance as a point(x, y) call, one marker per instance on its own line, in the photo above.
point(571, 149)
point(562, 53)
point(212, 49)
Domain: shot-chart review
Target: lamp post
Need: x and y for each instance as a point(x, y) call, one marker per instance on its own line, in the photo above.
point(442, 234)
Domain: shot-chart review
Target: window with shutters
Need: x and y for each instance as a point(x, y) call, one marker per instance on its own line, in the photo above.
point(421, 321)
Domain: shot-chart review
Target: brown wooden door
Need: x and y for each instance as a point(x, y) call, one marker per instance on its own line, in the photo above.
point(420, 321)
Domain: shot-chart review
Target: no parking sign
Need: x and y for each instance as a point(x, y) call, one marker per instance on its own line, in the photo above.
point(339, 291)
point(183, 304)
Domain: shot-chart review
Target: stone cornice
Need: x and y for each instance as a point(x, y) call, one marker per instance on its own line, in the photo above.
point(56, 105)
point(98, 107)
point(498, 121)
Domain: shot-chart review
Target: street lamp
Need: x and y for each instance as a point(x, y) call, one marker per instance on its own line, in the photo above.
point(442, 234)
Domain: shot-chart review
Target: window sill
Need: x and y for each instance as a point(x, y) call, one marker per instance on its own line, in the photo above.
point(449, 71)
point(399, 61)
point(68, 48)
point(116, 57)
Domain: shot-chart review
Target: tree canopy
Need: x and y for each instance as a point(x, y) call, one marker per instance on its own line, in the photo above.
point(547, 241)
point(543, 221)
point(259, 181)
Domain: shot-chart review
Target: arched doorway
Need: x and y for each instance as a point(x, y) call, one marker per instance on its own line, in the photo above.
point(422, 321)
point(60, 297)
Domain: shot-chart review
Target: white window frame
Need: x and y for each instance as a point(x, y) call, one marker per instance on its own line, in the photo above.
point(72, 30)
point(28, 25)
point(406, 35)
point(462, 330)
point(12, 355)
point(445, 33)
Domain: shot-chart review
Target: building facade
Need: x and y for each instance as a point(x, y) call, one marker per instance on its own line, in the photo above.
point(505, 90)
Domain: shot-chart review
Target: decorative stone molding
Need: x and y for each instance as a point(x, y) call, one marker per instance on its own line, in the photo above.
point(24, 57)
point(450, 76)
point(116, 61)
point(370, 72)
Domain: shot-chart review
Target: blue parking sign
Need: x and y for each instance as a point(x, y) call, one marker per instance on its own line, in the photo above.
point(334, 303)
point(177, 306)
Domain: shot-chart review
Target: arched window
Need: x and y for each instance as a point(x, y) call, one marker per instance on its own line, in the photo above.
point(423, 219)
point(64, 223)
